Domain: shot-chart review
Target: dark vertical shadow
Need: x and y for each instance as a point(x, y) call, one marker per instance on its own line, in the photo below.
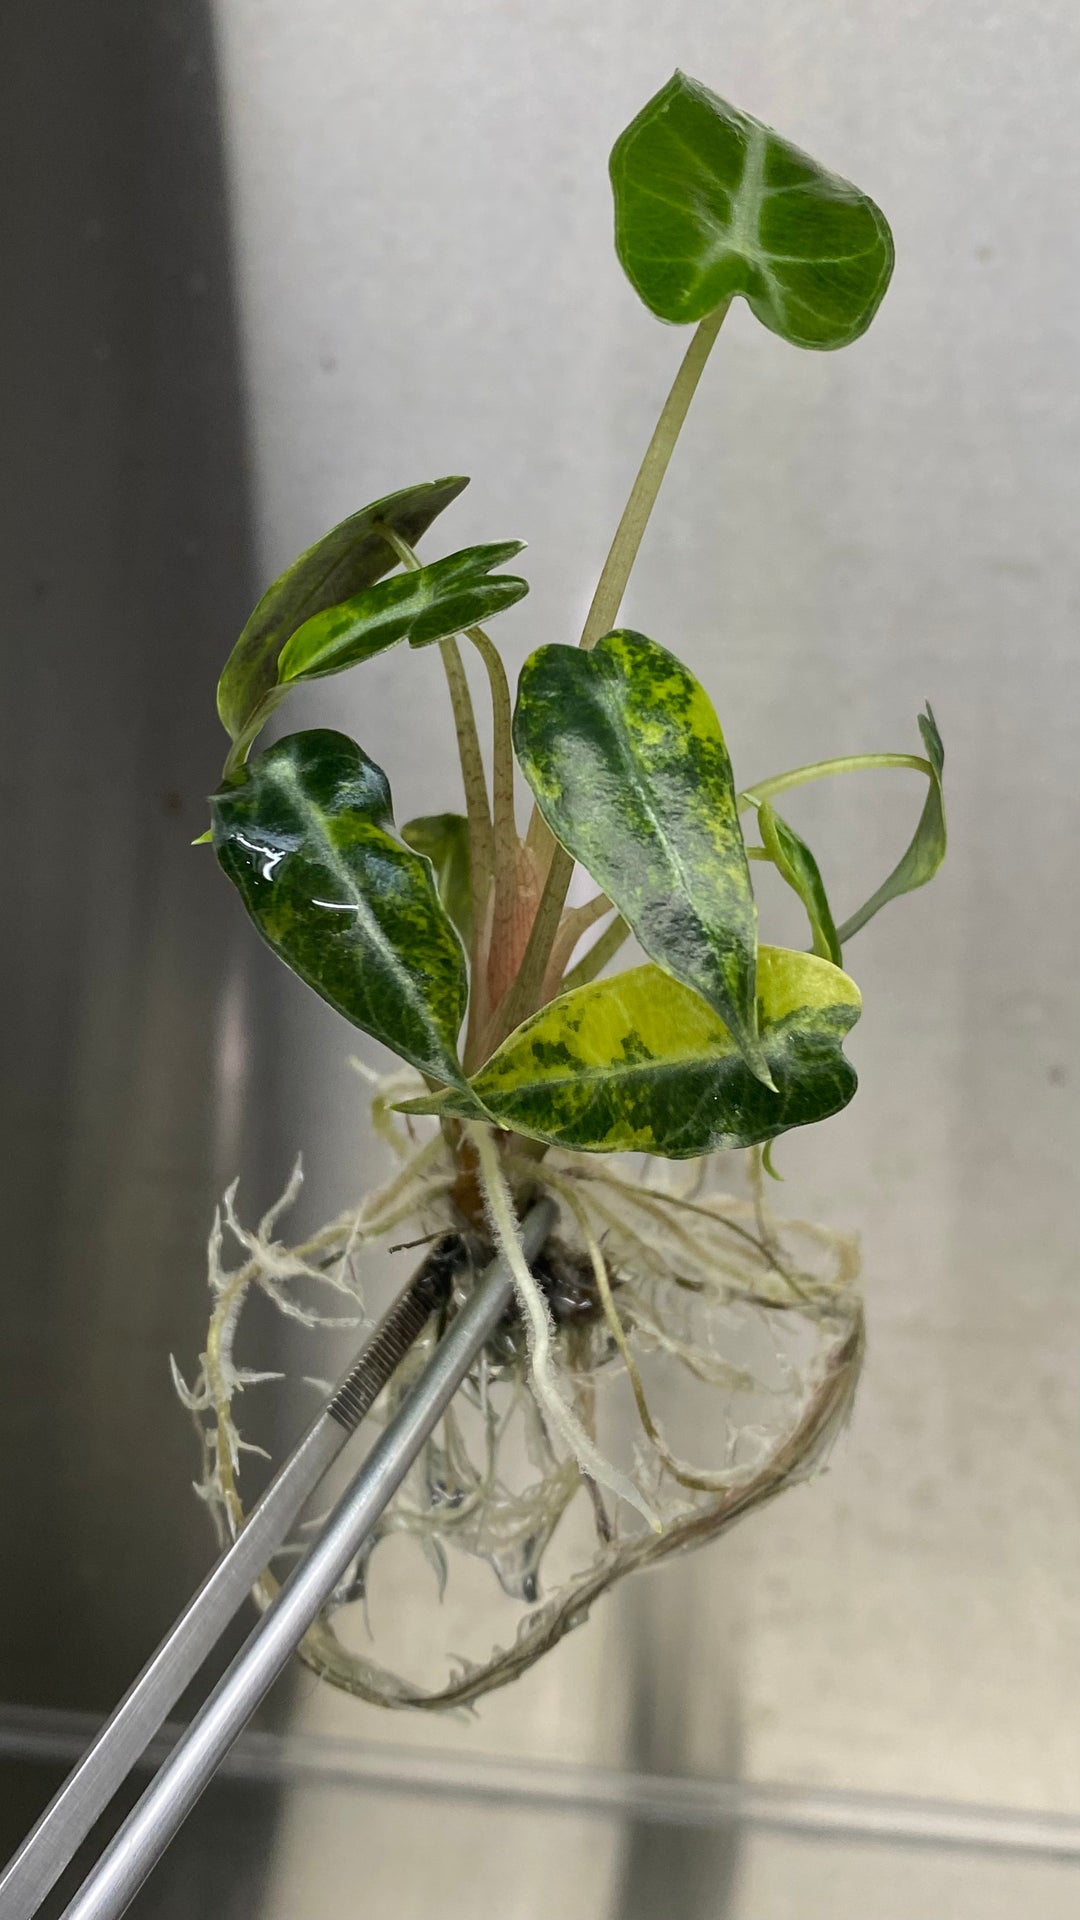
point(677, 1873)
point(126, 568)
point(215, 1866)
point(669, 1872)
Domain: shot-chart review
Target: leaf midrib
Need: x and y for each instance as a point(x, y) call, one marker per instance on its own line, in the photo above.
point(656, 1068)
point(746, 202)
point(757, 251)
point(418, 602)
point(799, 1019)
point(628, 760)
point(284, 775)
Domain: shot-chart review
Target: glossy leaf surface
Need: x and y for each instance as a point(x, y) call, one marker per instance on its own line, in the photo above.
point(443, 838)
point(926, 851)
point(640, 1063)
point(628, 764)
point(429, 604)
point(303, 831)
point(345, 561)
point(795, 863)
point(710, 203)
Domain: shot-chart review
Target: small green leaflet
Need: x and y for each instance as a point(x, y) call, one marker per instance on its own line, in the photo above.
point(639, 1063)
point(628, 764)
point(710, 203)
point(303, 832)
point(926, 852)
point(352, 556)
point(428, 604)
point(443, 838)
point(795, 863)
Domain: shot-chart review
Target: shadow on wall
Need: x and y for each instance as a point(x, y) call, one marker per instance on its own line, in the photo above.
point(664, 1869)
point(216, 1865)
point(127, 568)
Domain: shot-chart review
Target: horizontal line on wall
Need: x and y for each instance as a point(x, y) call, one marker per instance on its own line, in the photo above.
point(41, 1736)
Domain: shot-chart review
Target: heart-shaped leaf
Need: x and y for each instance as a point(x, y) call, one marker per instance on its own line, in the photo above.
point(710, 203)
point(352, 556)
point(443, 838)
point(302, 831)
point(639, 1063)
point(421, 606)
point(628, 764)
point(926, 852)
point(795, 863)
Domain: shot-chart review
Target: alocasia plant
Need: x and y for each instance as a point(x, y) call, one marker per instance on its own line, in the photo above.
point(450, 940)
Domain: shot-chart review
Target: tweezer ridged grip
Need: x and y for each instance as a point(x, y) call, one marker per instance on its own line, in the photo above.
point(397, 1331)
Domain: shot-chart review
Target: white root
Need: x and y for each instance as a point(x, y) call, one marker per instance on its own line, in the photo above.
point(540, 1333)
point(325, 1259)
point(674, 1266)
point(701, 1479)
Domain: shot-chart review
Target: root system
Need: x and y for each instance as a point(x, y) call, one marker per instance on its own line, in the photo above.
point(659, 1318)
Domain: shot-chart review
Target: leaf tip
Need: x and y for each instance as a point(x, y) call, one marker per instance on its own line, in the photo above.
point(759, 1066)
point(767, 1162)
point(932, 741)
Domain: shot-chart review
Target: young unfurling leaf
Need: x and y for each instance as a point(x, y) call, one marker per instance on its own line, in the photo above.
point(443, 838)
point(926, 851)
point(422, 606)
point(353, 555)
point(795, 863)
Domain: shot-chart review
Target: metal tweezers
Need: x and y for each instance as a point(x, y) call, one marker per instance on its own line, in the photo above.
point(139, 1843)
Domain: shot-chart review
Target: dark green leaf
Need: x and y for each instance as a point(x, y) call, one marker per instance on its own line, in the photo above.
point(795, 863)
point(303, 832)
point(640, 1063)
point(628, 764)
point(443, 838)
point(926, 852)
point(343, 562)
point(421, 606)
point(710, 203)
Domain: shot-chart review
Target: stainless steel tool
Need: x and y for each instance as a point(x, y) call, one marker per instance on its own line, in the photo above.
point(176, 1787)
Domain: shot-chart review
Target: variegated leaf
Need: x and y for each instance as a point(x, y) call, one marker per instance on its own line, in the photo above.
point(628, 764)
point(640, 1063)
point(350, 557)
point(304, 832)
point(424, 605)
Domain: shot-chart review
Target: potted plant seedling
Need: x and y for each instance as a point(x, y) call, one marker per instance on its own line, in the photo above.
point(528, 1066)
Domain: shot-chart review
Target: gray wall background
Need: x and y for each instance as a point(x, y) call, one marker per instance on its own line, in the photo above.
point(275, 260)
point(422, 240)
